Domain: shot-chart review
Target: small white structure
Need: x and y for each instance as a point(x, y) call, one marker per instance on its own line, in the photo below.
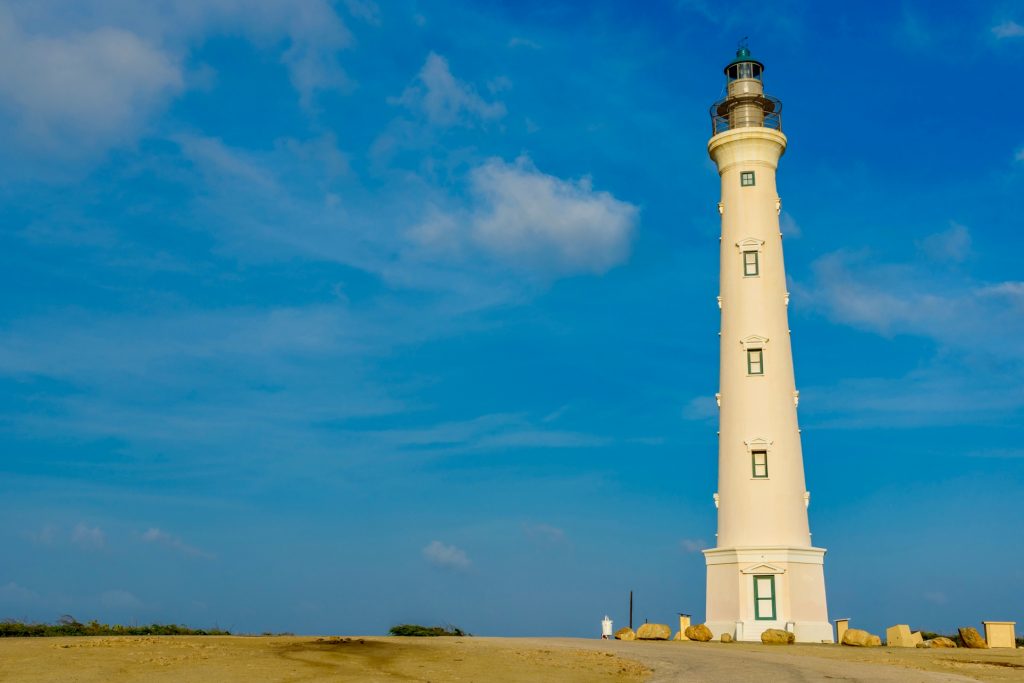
point(764, 572)
point(1000, 633)
point(606, 628)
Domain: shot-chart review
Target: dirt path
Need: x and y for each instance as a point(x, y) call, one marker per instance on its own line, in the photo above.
point(484, 660)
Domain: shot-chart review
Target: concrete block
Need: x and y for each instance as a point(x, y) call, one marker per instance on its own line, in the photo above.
point(899, 636)
point(841, 626)
point(1000, 633)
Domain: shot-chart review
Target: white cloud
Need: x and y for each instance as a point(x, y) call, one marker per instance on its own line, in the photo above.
point(692, 545)
point(47, 535)
point(447, 556)
point(79, 82)
point(950, 245)
point(517, 41)
point(700, 408)
point(367, 10)
point(533, 219)
point(88, 537)
point(788, 226)
point(13, 593)
point(119, 599)
point(86, 89)
point(1008, 29)
point(154, 535)
point(545, 532)
point(916, 299)
point(445, 100)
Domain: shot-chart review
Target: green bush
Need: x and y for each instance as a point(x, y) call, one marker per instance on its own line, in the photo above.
point(67, 625)
point(417, 630)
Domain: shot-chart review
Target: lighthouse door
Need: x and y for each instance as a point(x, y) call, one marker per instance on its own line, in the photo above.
point(764, 598)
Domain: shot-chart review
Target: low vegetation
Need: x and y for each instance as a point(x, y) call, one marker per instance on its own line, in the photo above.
point(417, 630)
point(67, 625)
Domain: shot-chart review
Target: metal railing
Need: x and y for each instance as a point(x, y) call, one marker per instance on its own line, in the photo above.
point(720, 124)
point(727, 114)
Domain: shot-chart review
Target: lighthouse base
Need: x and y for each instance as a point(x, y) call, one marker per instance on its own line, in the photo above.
point(752, 589)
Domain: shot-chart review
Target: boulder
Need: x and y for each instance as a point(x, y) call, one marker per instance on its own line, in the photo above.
point(916, 638)
point(972, 638)
point(937, 642)
point(699, 632)
point(726, 637)
point(860, 638)
point(625, 633)
point(775, 636)
point(654, 632)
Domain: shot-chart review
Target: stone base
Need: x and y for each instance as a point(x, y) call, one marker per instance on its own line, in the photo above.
point(750, 631)
point(797, 574)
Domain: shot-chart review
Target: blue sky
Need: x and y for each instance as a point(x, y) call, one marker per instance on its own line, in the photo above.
point(324, 316)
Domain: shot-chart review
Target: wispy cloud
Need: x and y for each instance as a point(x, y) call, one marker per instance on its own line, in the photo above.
point(88, 537)
point(950, 245)
point(444, 99)
point(85, 89)
point(913, 299)
point(12, 593)
point(518, 41)
point(692, 545)
point(544, 533)
point(157, 536)
point(529, 217)
point(1008, 29)
point(446, 556)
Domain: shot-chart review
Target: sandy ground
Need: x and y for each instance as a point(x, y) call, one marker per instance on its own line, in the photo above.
point(228, 659)
point(484, 660)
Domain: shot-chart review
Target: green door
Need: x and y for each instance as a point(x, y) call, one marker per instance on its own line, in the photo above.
point(764, 597)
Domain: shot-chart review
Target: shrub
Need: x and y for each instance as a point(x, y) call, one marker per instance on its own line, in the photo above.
point(417, 630)
point(67, 625)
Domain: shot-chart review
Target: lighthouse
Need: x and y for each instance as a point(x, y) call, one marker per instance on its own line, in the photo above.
point(763, 572)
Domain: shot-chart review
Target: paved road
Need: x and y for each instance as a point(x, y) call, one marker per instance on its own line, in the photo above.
point(717, 663)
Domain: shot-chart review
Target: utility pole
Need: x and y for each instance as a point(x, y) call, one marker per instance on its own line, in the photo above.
point(631, 609)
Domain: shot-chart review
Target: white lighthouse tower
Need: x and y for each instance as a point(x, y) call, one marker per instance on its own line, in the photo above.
point(764, 572)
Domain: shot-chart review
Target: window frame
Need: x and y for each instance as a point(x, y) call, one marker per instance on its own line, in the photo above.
point(758, 599)
point(759, 362)
point(748, 175)
point(754, 464)
point(756, 264)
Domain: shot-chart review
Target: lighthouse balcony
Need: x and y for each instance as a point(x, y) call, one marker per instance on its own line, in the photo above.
point(746, 111)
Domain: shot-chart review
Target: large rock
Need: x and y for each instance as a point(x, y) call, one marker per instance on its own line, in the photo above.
point(775, 636)
point(699, 632)
point(654, 632)
point(972, 638)
point(860, 638)
point(937, 642)
point(625, 633)
point(726, 637)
